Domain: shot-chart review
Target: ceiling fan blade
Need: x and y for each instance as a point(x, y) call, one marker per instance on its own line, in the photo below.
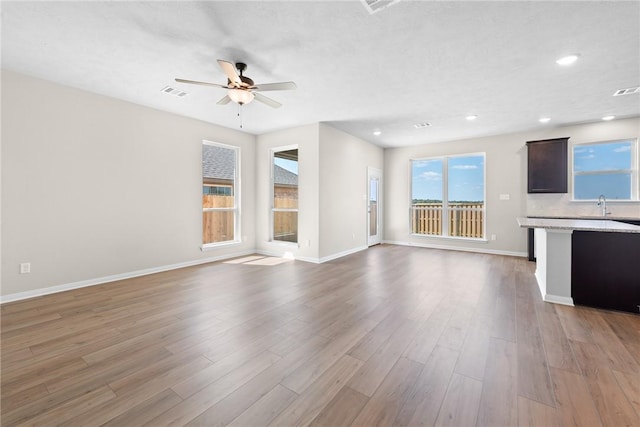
point(224, 101)
point(194, 82)
point(230, 71)
point(276, 86)
point(270, 102)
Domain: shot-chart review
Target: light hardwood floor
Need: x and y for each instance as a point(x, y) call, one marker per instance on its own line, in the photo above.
point(389, 336)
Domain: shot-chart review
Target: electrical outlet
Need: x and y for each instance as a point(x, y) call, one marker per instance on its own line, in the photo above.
point(505, 197)
point(493, 237)
point(25, 268)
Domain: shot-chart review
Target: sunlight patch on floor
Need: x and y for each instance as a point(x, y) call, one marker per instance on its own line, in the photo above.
point(258, 260)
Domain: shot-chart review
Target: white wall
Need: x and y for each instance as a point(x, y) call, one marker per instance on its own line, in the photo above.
point(94, 187)
point(506, 173)
point(343, 190)
point(561, 204)
point(306, 137)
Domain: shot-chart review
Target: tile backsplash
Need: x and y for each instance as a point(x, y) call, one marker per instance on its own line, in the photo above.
point(561, 205)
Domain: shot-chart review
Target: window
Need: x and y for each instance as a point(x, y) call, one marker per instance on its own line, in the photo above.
point(216, 190)
point(607, 168)
point(219, 194)
point(284, 211)
point(447, 196)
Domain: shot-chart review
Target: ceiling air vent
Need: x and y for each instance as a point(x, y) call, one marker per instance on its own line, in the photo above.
point(422, 125)
point(627, 91)
point(374, 6)
point(173, 91)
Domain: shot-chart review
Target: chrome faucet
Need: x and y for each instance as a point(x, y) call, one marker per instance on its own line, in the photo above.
point(602, 202)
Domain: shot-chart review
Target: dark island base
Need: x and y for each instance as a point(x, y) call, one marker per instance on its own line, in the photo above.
point(605, 270)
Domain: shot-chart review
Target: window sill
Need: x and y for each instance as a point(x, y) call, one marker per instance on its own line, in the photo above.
point(211, 246)
point(467, 239)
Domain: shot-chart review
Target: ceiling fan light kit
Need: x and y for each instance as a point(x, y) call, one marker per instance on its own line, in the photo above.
point(240, 96)
point(241, 89)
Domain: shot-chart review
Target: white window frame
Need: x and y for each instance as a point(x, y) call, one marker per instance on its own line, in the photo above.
point(272, 208)
point(445, 196)
point(633, 171)
point(236, 199)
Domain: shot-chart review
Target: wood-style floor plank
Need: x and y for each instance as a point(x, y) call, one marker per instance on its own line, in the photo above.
point(610, 400)
point(393, 335)
point(533, 373)
point(534, 414)
point(499, 403)
point(388, 399)
point(423, 403)
point(202, 400)
point(232, 406)
point(630, 385)
point(342, 410)
point(376, 368)
point(474, 351)
point(574, 404)
point(308, 405)
point(556, 345)
point(128, 403)
point(149, 409)
point(461, 403)
point(266, 409)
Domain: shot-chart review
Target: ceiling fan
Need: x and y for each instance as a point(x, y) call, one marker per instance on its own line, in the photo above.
point(241, 89)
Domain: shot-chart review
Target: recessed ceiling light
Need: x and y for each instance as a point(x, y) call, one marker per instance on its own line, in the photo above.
point(471, 117)
point(377, 132)
point(607, 118)
point(567, 60)
point(545, 120)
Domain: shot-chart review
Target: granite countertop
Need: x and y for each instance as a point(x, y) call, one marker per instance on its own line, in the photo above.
point(594, 217)
point(578, 224)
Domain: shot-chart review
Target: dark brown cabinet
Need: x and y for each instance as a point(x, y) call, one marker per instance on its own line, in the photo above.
point(547, 166)
point(604, 270)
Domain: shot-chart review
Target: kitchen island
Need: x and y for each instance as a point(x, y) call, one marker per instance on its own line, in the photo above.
point(587, 261)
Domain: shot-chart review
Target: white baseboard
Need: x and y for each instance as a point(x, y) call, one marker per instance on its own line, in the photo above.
point(315, 260)
point(106, 279)
point(457, 248)
point(279, 254)
point(343, 253)
point(558, 299)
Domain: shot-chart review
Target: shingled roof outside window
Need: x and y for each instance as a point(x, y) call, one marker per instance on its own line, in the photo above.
point(218, 162)
point(281, 176)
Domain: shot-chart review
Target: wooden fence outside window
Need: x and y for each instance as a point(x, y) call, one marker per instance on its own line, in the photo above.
point(464, 219)
point(218, 225)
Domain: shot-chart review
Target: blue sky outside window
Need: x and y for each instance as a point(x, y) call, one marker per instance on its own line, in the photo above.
point(603, 169)
point(426, 180)
point(465, 179)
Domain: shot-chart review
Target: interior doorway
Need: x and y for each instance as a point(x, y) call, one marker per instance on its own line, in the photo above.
point(374, 206)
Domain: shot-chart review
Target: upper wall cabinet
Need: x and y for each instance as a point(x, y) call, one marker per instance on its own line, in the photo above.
point(547, 166)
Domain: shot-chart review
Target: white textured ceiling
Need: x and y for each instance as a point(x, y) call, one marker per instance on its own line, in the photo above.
point(412, 62)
